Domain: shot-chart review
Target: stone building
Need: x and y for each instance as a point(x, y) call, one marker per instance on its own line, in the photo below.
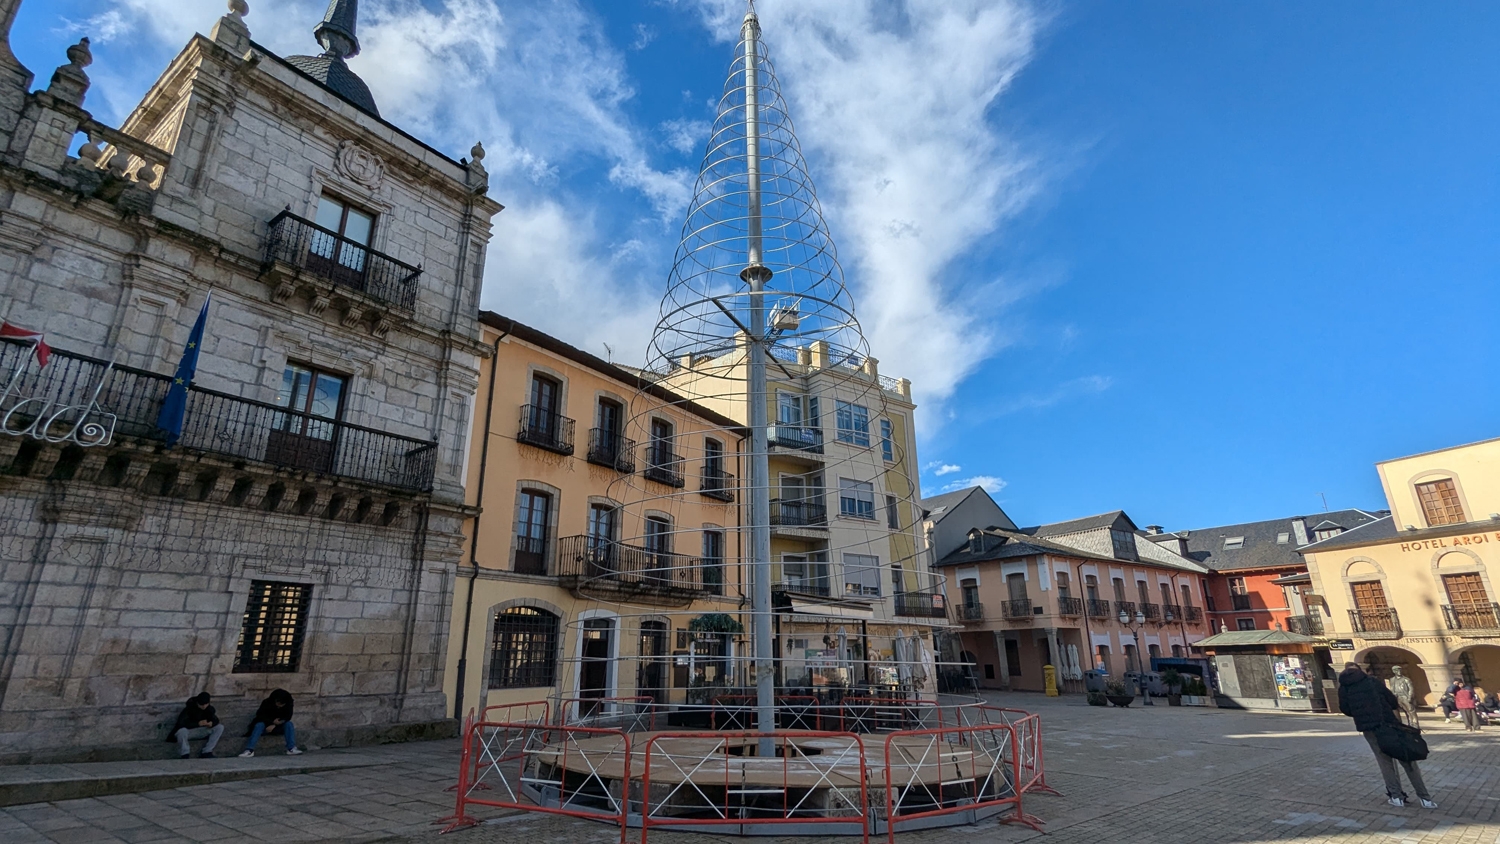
point(304, 530)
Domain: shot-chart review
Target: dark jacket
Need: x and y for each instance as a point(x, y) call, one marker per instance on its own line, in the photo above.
point(277, 705)
point(1366, 700)
point(189, 717)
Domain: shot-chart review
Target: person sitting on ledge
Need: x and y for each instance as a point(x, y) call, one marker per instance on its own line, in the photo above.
point(275, 713)
point(196, 715)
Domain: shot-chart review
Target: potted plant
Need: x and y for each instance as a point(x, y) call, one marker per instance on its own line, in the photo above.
point(1119, 694)
point(1096, 698)
point(1173, 681)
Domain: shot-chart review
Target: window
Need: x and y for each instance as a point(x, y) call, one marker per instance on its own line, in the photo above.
point(713, 457)
point(1176, 651)
point(861, 575)
point(887, 447)
point(1119, 590)
point(306, 440)
point(1091, 587)
point(970, 589)
point(274, 626)
point(542, 417)
point(661, 443)
point(603, 529)
point(1015, 586)
point(898, 579)
point(1326, 533)
point(806, 573)
point(523, 653)
point(1465, 590)
point(1440, 503)
point(1187, 595)
point(1244, 624)
point(788, 409)
point(533, 517)
point(1283, 538)
point(1124, 544)
point(1063, 587)
point(1237, 586)
point(1153, 652)
point(1143, 591)
point(341, 251)
point(713, 561)
point(892, 515)
point(606, 444)
point(658, 550)
point(853, 422)
point(856, 499)
point(1132, 662)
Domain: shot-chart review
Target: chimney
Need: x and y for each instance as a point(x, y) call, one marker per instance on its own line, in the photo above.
point(1154, 530)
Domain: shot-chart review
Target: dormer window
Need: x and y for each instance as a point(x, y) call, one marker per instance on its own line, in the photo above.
point(976, 542)
point(1233, 542)
point(1440, 503)
point(1326, 533)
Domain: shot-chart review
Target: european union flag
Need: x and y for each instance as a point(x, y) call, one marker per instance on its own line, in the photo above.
point(174, 409)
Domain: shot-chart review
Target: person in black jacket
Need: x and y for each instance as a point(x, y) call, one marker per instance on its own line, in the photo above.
point(195, 715)
point(275, 713)
point(1372, 705)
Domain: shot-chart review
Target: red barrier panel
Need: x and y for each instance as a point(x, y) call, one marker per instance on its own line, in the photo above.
point(988, 750)
point(800, 773)
point(1028, 727)
point(510, 755)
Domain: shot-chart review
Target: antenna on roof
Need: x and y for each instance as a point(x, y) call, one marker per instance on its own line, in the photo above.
point(1325, 501)
point(609, 352)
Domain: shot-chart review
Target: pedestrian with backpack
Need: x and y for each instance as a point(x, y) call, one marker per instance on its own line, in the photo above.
point(1373, 708)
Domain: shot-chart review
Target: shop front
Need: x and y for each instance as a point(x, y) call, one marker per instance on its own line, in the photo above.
point(1268, 669)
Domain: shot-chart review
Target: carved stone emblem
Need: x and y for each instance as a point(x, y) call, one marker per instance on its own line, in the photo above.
point(360, 164)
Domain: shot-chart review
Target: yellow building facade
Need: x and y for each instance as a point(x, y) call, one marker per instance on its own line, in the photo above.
point(606, 519)
point(1417, 588)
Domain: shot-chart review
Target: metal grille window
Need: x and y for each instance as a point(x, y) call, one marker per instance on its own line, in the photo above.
point(1440, 503)
point(524, 650)
point(853, 422)
point(274, 627)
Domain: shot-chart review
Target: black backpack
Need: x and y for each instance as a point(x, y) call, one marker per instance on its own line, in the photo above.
point(1400, 742)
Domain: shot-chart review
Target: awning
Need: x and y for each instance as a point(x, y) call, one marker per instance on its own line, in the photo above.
point(831, 610)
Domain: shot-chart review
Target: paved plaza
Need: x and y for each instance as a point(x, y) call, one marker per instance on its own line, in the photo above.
point(1160, 774)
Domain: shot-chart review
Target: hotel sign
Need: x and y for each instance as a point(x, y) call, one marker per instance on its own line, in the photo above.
point(1450, 542)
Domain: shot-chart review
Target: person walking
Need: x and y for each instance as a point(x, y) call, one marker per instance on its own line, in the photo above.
point(196, 715)
point(275, 713)
point(1467, 705)
point(1372, 706)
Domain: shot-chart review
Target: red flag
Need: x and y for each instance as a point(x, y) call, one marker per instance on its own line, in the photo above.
point(26, 335)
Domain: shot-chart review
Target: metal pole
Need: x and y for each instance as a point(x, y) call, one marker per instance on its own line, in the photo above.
point(756, 275)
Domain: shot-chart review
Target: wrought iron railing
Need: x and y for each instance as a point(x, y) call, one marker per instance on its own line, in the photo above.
point(663, 466)
point(1017, 608)
point(1171, 612)
point(545, 429)
point(716, 483)
point(608, 448)
point(589, 562)
point(815, 584)
point(797, 437)
point(1472, 616)
point(215, 422)
point(1097, 607)
point(1307, 625)
point(971, 612)
point(1069, 606)
point(1239, 602)
point(798, 513)
point(1377, 621)
point(1127, 607)
point(922, 604)
point(1151, 611)
point(323, 253)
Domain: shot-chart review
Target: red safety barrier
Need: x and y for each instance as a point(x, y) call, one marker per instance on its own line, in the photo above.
point(1028, 727)
point(570, 710)
point(908, 713)
point(505, 754)
point(738, 705)
point(989, 750)
point(693, 770)
point(527, 712)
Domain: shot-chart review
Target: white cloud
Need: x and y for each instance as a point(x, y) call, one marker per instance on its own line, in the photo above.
point(945, 469)
point(893, 102)
point(1075, 388)
point(686, 136)
point(644, 35)
point(990, 483)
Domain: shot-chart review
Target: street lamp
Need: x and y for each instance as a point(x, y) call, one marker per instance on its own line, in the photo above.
point(1135, 626)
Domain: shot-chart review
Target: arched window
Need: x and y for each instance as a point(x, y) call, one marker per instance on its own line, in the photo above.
point(523, 653)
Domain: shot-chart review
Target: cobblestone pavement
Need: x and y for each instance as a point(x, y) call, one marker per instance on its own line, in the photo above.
point(1162, 774)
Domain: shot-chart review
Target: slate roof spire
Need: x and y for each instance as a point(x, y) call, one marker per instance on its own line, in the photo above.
point(336, 32)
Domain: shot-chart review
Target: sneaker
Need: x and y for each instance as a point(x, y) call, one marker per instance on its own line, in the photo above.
point(1395, 801)
point(247, 754)
point(294, 752)
point(1428, 804)
point(207, 754)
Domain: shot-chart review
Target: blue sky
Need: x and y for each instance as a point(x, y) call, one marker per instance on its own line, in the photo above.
point(1200, 261)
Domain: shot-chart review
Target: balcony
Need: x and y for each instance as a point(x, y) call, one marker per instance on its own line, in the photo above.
point(1151, 611)
point(922, 604)
point(663, 466)
point(531, 555)
point(1097, 608)
point(1194, 615)
point(1171, 613)
point(1482, 619)
point(1307, 625)
point(1069, 606)
point(588, 564)
point(1018, 609)
point(817, 585)
point(608, 448)
point(545, 430)
point(322, 254)
point(796, 438)
point(1376, 623)
point(1239, 602)
point(717, 484)
point(971, 612)
point(803, 513)
point(1127, 607)
point(128, 401)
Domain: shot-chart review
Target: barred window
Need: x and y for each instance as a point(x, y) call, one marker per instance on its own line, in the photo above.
point(524, 652)
point(274, 627)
